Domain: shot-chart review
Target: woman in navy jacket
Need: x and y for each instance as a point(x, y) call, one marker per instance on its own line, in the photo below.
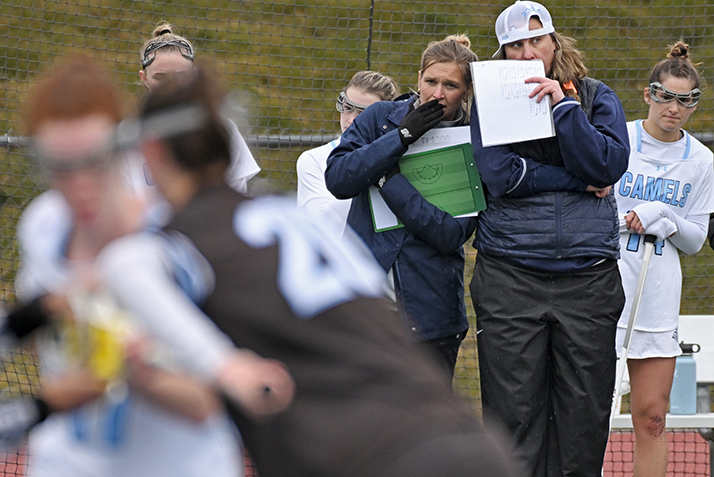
point(425, 256)
point(546, 287)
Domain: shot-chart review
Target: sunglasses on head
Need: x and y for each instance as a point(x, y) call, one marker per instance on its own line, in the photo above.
point(344, 105)
point(660, 94)
point(183, 47)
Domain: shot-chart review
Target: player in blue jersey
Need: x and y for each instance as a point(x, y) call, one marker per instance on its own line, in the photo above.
point(667, 191)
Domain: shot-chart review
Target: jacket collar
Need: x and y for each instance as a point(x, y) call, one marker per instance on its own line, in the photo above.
point(396, 116)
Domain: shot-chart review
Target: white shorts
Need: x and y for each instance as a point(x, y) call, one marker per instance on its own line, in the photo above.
point(649, 344)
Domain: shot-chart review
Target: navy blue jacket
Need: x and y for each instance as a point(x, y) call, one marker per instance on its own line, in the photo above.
point(426, 255)
point(539, 215)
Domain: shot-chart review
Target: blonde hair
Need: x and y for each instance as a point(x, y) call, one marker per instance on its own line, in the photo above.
point(452, 49)
point(375, 83)
point(164, 33)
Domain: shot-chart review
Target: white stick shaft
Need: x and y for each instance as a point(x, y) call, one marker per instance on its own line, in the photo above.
point(622, 362)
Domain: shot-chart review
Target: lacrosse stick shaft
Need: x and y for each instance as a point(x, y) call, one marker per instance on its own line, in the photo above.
point(622, 362)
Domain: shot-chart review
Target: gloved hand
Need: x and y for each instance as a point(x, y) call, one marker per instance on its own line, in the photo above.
point(419, 121)
point(392, 172)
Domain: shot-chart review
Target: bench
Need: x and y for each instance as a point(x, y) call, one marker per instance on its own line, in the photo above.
point(692, 329)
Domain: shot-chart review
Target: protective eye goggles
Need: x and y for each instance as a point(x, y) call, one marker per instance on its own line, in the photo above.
point(150, 53)
point(100, 157)
point(344, 105)
point(660, 94)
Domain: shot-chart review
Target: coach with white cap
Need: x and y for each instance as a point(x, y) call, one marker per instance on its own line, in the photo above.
point(546, 287)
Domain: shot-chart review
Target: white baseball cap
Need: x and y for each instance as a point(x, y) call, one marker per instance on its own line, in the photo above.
point(512, 24)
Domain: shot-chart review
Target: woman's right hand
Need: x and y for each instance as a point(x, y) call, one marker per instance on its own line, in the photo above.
point(419, 121)
point(546, 86)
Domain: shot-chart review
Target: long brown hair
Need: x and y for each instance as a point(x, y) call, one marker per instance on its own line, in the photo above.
point(568, 63)
point(677, 65)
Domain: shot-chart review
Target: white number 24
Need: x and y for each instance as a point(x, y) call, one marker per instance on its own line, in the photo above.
point(317, 269)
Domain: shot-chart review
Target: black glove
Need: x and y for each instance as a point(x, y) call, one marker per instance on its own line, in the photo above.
point(26, 318)
point(419, 121)
point(392, 172)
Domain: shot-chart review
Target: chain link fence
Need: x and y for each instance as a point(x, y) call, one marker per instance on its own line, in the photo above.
point(284, 62)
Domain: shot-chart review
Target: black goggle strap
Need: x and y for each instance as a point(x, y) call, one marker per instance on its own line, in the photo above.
point(183, 47)
point(343, 100)
point(689, 99)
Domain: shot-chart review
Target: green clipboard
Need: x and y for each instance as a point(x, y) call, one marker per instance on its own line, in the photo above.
point(445, 177)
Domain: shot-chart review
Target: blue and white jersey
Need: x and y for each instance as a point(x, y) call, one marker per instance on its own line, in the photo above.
point(678, 179)
point(122, 433)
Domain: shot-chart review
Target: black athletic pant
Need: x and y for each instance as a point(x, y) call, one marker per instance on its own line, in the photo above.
point(546, 346)
point(445, 351)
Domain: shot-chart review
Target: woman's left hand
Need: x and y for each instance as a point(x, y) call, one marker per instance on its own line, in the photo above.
point(546, 86)
point(599, 192)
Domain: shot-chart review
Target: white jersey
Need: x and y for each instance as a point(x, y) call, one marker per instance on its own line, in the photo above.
point(680, 176)
point(243, 166)
point(123, 434)
point(312, 193)
point(241, 169)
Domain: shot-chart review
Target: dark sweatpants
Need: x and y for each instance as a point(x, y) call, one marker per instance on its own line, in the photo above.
point(446, 351)
point(546, 346)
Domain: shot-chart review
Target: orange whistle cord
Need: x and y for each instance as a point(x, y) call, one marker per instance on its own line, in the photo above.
point(570, 85)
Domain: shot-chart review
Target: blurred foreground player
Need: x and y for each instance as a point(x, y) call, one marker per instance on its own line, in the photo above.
point(368, 402)
point(135, 418)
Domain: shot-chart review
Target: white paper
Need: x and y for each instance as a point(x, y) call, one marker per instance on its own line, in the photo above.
point(384, 218)
point(440, 137)
point(436, 138)
point(505, 111)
